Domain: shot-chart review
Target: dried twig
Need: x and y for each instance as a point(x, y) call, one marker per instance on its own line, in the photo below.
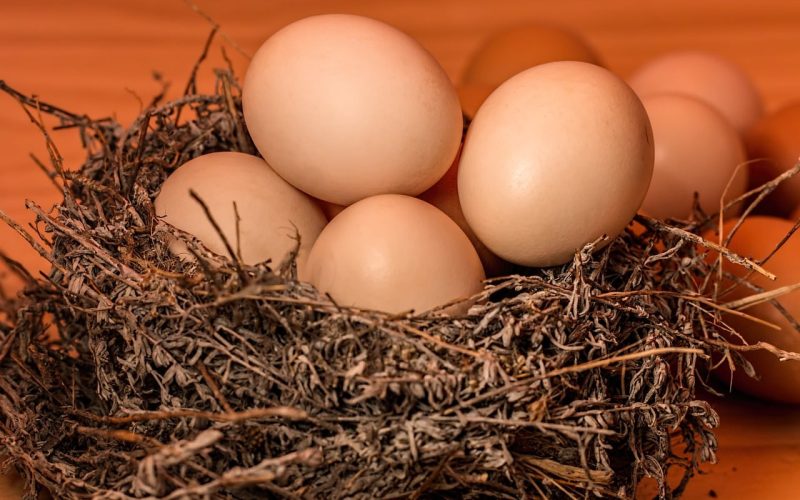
point(699, 240)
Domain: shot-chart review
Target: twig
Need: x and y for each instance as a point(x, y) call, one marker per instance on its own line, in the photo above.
point(33, 243)
point(241, 134)
point(126, 272)
point(221, 234)
point(239, 477)
point(65, 116)
point(760, 298)
point(686, 235)
point(118, 435)
point(145, 416)
point(137, 164)
point(191, 85)
point(215, 25)
point(576, 369)
point(212, 384)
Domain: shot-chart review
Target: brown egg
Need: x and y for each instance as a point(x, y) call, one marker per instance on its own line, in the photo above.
point(707, 77)
point(795, 215)
point(344, 107)
point(512, 51)
point(696, 150)
point(556, 157)
point(271, 211)
point(757, 237)
point(394, 253)
point(444, 196)
point(774, 145)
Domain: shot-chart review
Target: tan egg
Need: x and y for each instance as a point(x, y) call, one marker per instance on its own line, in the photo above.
point(704, 76)
point(756, 238)
point(444, 196)
point(394, 253)
point(344, 107)
point(271, 211)
point(556, 157)
point(774, 146)
point(696, 150)
point(512, 51)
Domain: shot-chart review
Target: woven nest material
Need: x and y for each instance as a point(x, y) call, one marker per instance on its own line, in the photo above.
point(212, 379)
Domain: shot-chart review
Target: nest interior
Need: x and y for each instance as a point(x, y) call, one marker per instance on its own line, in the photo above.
point(170, 379)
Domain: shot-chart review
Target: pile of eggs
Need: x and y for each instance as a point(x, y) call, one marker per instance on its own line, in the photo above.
point(355, 118)
point(360, 133)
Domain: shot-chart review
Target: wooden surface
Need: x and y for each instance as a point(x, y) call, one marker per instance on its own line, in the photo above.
point(98, 57)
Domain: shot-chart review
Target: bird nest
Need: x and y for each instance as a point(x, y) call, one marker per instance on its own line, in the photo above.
point(128, 373)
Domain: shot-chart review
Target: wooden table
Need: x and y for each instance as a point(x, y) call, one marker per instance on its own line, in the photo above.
point(98, 57)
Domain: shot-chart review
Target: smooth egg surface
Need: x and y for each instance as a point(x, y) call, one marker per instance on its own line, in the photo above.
point(704, 76)
point(696, 151)
point(756, 239)
point(556, 157)
point(272, 212)
point(344, 107)
point(394, 253)
point(444, 196)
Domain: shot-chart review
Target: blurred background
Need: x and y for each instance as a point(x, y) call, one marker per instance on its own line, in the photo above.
point(106, 58)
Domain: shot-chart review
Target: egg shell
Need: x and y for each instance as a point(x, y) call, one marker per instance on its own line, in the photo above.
point(514, 50)
point(756, 238)
point(774, 146)
point(556, 157)
point(696, 150)
point(394, 253)
point(795, 215)
point(704, 76)
point(272, 212)
point(344, 107)
point(444, 196)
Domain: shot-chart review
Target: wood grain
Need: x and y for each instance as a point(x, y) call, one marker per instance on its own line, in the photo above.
point(98, 57)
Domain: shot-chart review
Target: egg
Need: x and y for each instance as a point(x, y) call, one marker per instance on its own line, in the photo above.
point(271, 211)
point(696, 150)
point(556, 157)
point(756, 238)
point(444, 196)
point(345, 107)
point(394, 253)
point(796, 214)
point(512, 51)
point(774, 146)
point(704, 76)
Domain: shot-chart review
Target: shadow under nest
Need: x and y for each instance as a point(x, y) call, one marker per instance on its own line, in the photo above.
point(169, 379)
